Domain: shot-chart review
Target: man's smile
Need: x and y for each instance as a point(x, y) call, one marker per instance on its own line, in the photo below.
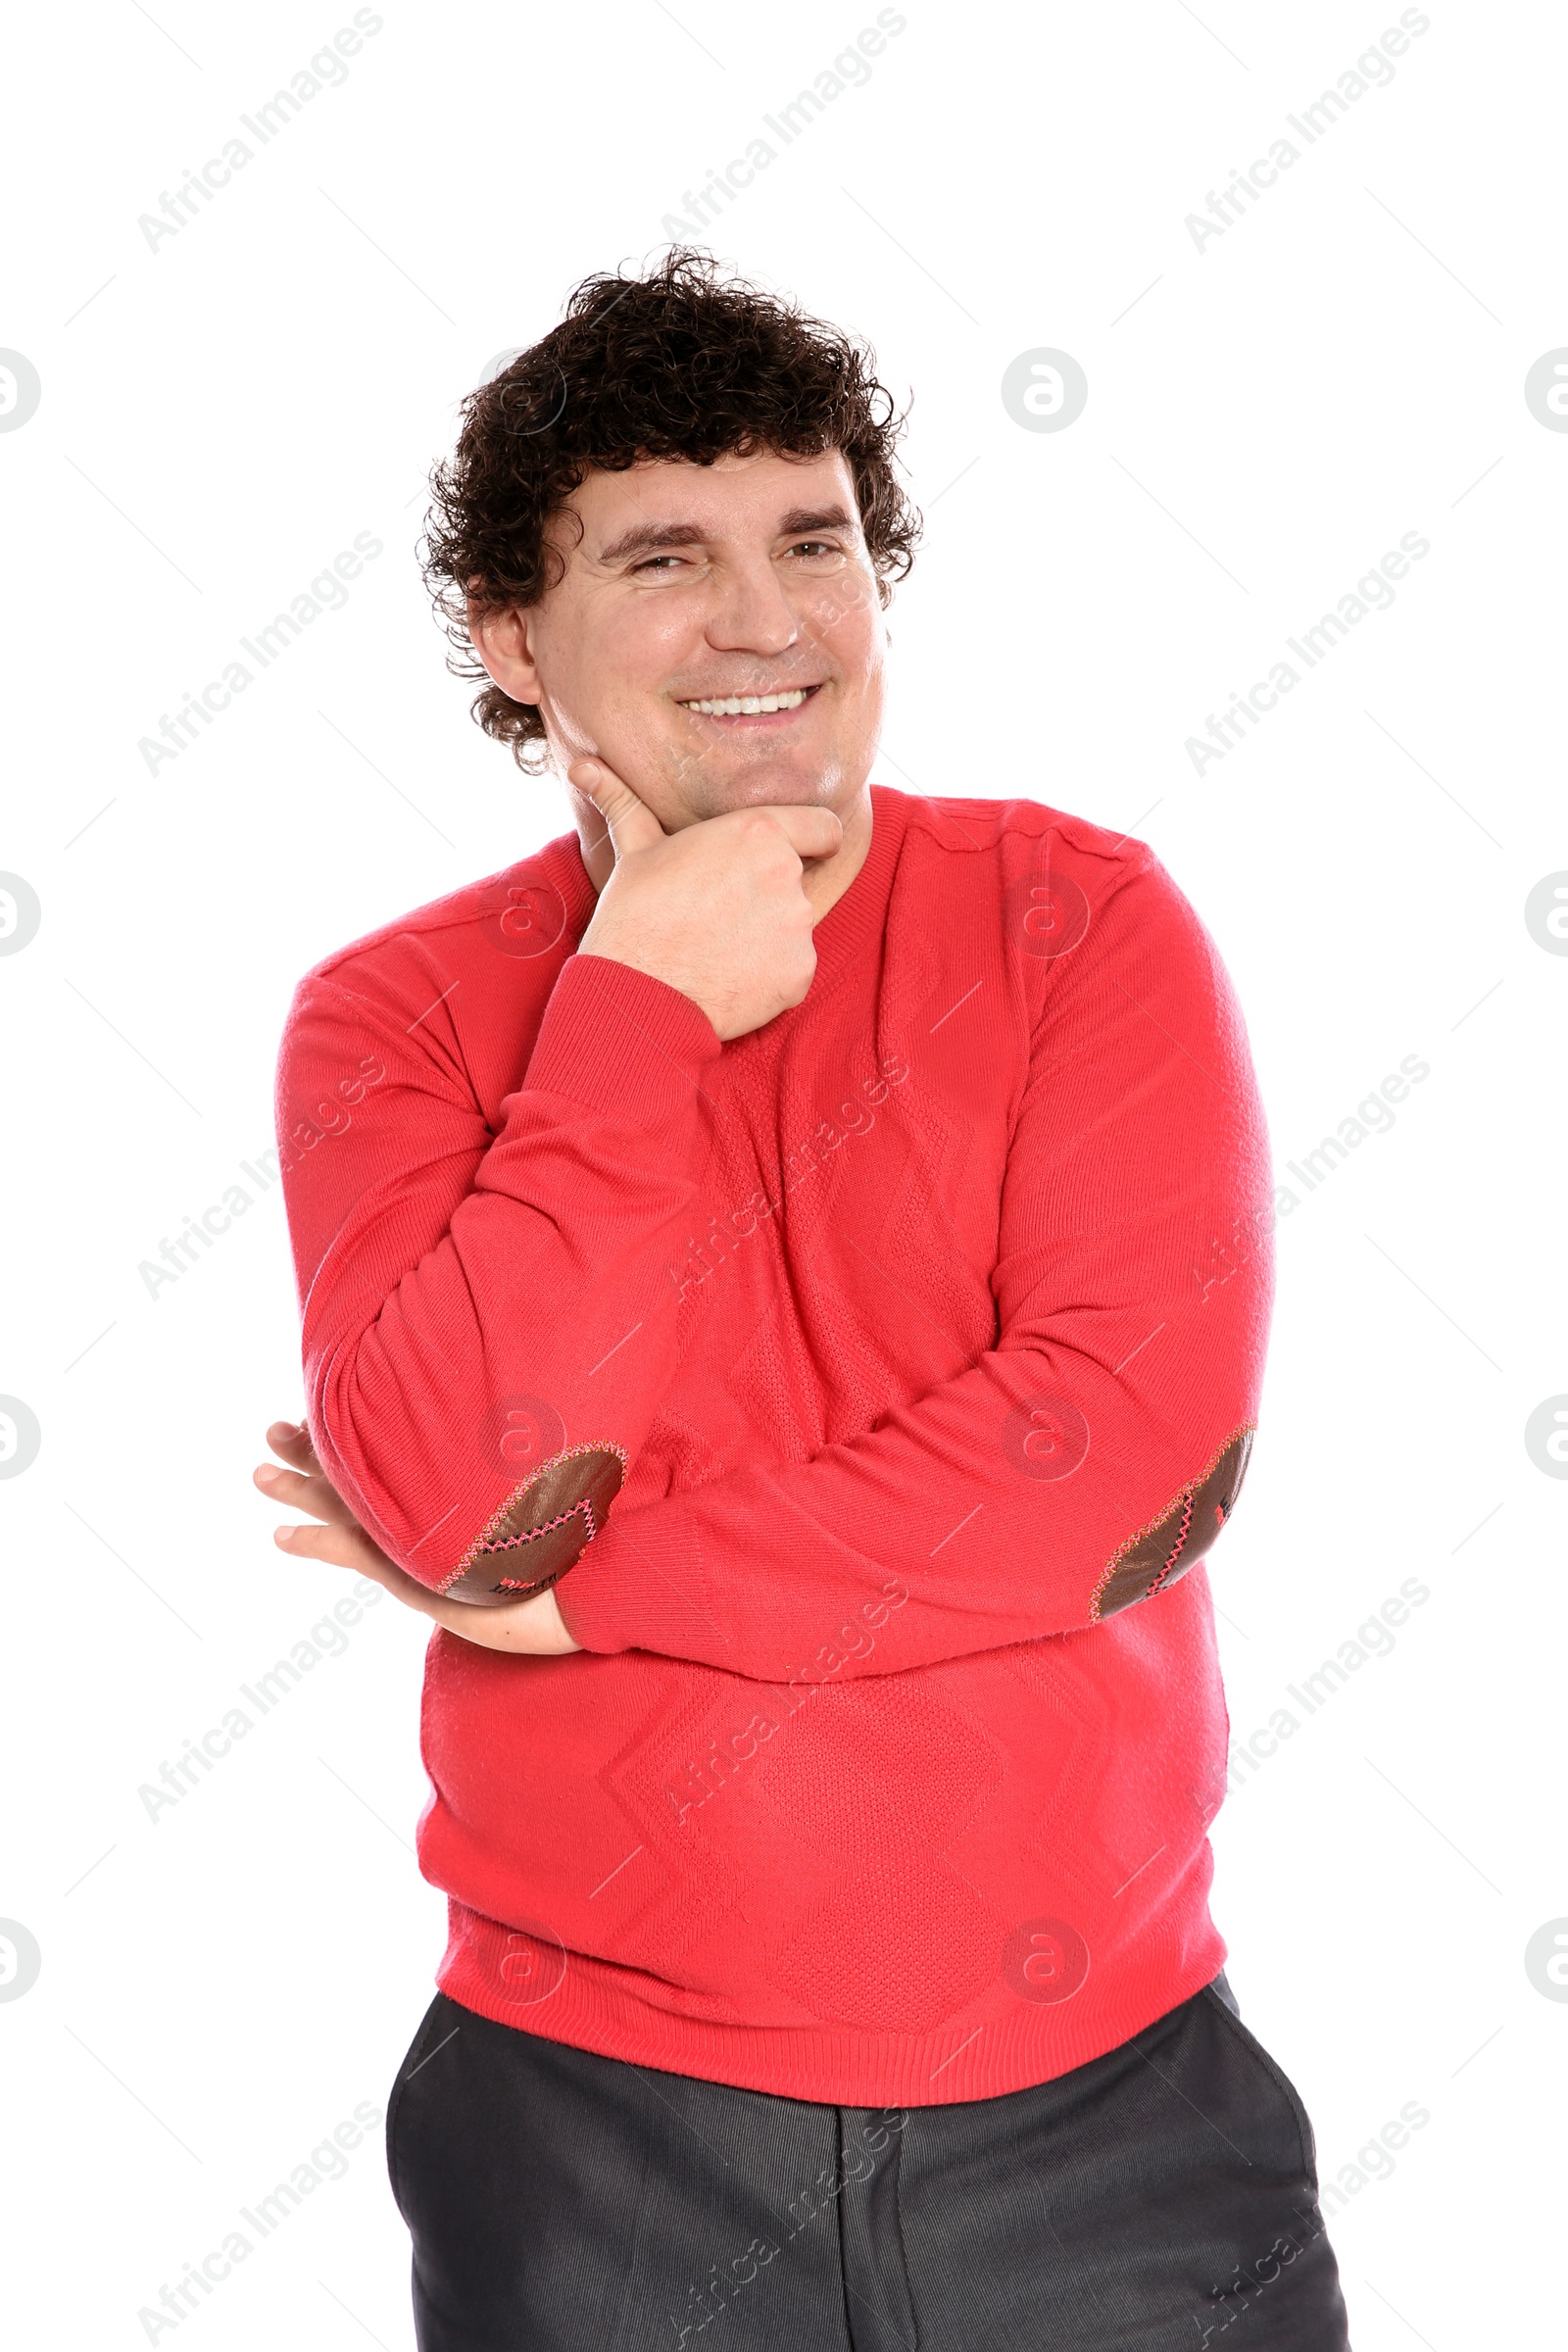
point(777, 708)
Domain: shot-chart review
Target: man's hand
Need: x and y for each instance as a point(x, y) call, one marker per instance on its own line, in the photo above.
point(530, 1628)
point(716, 910)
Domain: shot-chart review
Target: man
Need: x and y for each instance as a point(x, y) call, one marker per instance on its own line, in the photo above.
point(785, 1276)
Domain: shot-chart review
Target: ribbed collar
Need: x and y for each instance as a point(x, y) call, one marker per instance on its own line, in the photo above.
point(859, 915)
point(562, 860)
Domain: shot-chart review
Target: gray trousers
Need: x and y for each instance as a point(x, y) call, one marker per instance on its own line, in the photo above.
point(1163, 2198)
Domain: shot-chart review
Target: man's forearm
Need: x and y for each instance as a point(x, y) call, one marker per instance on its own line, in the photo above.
point(1087, 1458)
point(469, 1299)
point(788, 1572)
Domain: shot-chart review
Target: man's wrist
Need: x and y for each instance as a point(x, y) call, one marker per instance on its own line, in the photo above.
point(615, 1037)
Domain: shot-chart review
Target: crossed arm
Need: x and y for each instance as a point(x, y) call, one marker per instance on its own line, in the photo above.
point(529, 1628)
point(1079, 1466)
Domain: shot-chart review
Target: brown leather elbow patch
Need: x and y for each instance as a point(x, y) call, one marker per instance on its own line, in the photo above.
point(542, 1530)
point(1161, 1555)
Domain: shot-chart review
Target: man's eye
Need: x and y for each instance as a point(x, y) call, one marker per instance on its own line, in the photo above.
point(815, 547)
point(652, 562)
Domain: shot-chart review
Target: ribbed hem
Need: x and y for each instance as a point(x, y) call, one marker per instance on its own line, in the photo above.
point(615, 1040)
point(996, 2046)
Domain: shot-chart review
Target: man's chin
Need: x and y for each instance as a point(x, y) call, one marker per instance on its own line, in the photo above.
point(772, 780)
point(779, 781)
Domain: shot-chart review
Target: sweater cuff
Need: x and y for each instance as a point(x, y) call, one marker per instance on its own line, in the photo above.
point(615, 1040)
point(616, 1598)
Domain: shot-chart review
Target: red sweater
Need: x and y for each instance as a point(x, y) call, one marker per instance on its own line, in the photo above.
point(925, 1328)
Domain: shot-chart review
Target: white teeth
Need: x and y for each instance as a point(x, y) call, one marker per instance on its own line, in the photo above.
point(738, 706)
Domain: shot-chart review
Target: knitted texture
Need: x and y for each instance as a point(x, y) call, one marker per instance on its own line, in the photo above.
point(911, 1313)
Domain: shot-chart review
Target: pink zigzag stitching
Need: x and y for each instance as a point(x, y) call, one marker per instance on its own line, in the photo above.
point(531, 1534)
point(1246, 1428)
point(1174, 1553)
point(482, 1542)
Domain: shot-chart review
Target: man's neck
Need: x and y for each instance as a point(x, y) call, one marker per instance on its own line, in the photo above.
point(826, 879)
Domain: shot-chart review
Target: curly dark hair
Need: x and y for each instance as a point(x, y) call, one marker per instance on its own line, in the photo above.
point(678, 363)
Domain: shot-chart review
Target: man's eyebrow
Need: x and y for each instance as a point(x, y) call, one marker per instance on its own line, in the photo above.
point(646, 535)
point(801, 519)
point(648, 538)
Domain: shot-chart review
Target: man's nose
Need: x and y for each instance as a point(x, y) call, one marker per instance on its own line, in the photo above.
point(750, 612)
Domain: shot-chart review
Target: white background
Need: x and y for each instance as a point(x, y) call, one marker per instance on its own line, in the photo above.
point(1267, 415)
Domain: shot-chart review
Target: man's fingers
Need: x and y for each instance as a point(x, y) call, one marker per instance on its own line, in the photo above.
point(632, 823)
point(290, 1441)
point(304, 1492)
point(286, 1486)
point(813, 832)
point(340, 1546)
point(528, 1628)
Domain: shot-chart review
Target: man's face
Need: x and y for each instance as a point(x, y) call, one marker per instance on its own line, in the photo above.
point(698, 585)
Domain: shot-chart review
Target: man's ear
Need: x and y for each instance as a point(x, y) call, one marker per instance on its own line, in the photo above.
point(503, 641)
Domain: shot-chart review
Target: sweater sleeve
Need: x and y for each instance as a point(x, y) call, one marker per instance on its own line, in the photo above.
point(485, 1330)
point(1089, 1458)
